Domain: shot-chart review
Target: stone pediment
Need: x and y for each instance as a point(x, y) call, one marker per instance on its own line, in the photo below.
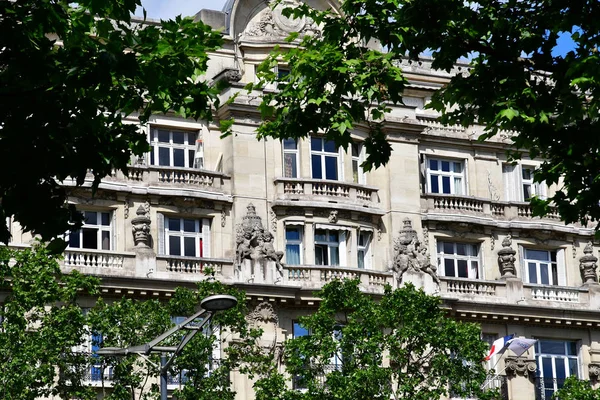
point(270, 25)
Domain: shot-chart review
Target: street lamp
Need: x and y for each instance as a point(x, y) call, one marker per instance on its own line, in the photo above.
point(209, 305)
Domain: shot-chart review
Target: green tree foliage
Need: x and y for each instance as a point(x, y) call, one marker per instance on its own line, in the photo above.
point(546, 102)
point(43, 328)
point(40, 324)
point(402, 346)
point(575, 389)
point(70, 73)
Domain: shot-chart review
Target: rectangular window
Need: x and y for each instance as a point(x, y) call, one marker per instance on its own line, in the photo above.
point(183, 237)
point(358, 175)
point(175, 148)
point(290, 158)
point(293, 245)
point(556, 361)
point(364, 249)
point(324, 156)
point(519, 184)
point(445, 176)
point(458, 260)
point(541, 267)
point(327, 246)
point(96, 232)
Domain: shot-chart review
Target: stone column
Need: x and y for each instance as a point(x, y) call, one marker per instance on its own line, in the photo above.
point(521, 376)
point(145, 258)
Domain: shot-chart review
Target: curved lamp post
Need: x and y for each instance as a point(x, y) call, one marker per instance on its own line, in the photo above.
point(209, 305)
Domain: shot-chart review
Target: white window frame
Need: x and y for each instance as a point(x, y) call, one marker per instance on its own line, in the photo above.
point(322, 154)
point(295, 242)
point(555, 358)
point(358, 176)
point(196, 146)
point(101, 228)
point(201, 234)
point(558, 279)
point(438, 175)
point(515, 183)
point(295, 152)
point(365, 248)
point(340, 245)
point(470, 258)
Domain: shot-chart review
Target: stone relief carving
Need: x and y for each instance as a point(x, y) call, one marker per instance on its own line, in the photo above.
point(494, 196)
point(506, 258)
point(264, 312)
point(333, 217)
point(587, 265)
point(140, 226)
point(254, 242)
point(273, 220)
point(594, 371)
point(223, 218)
point(126, 205)
point(520, 366)
point(411, 254)
point(492, 240)
point(272, 24)
point(264, 317)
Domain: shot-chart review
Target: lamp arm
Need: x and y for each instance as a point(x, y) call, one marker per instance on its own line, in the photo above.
point(150, 345)
point(186, 340)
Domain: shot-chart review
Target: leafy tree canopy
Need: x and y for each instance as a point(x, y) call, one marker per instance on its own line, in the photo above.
point(69, 75)
point(400, 347)
point(515, 83)
point(575, 389)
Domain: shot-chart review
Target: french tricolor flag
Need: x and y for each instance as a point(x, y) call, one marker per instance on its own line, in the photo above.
point(498, 346)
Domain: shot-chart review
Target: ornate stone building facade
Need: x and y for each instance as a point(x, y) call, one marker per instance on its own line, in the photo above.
point(281, 219)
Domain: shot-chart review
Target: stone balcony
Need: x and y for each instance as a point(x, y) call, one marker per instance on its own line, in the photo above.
point(504, 214)
point(304, 192)
point(316, 276)
point(99, 262)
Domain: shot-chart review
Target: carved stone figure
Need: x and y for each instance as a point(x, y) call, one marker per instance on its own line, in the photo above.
point(506, 258)
point(254, 242)
point(272, 24)
point(411, 254)
point(333, 217)
point(587, 265)
point(140, 226)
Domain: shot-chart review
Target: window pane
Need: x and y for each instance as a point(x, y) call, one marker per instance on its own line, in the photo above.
point(179, 137)
point(331, 172)
point(561, 372)
point(355, 171)
point(355, 149)
point(446, 184)
point(527, 174)
point(330, 146)
point(178, 158)
point(458, 186)
point(174, 246)
point(91, 217)
point(105, 240)
point(462, 269)
point(553, 256)
point(189, 247)
point(320, 235)
point(192, 158)
point(571, 348)
point(299, 330)
point(449, 268)
point(317, 172)
point(474, 270)
point(321, 255)
point(316, 144)
point(292, 234)
point(547, 367)
point(434, 184)
point(461, 249)
point(526, 192)
point(89, 238)
point(334, 236)
point(163, 156)
point(361, 259)
point(448, 248)
point(573, 368)
point(292, 254)
point(433, 165)
point(540, 255)
point(106, 219)
point(458, 167)
point(74, 239)
point(192, 137)
point(174, 224)
point(335, 255)
point(290, 144)
point(552, 347)
point(532, 273)
point(289, 165)
point(189, 225)
point(445, 166)
point(544, 277)
point(163, 136)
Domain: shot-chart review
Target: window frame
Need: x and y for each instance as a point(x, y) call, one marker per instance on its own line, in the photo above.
point(99, 226)
point(358, 176)
point(197, 146)
point(554, 267)
point(469, 258)
point(295, 242)
point(439, 174)
point(202, 226)
point(295, 152)
point(565, 358)
point(365, 248)
point(515, 183)
point(340, 245)
point(322, 154)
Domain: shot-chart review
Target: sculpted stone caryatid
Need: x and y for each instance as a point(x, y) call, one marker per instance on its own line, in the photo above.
point(506, 258)
point(254, 242)
point(272, 24)
point(587, 265)
point(411, 254)
point(140, 226)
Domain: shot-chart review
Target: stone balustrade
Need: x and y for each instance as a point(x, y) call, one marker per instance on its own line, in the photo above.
point(99, 262)
point(469, 287)
point(434, 203)
point(318, 189)
point(553, 293)
point(316, 276)
point(192, 268)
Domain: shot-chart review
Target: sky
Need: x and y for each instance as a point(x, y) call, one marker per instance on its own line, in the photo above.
point(165, 9)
